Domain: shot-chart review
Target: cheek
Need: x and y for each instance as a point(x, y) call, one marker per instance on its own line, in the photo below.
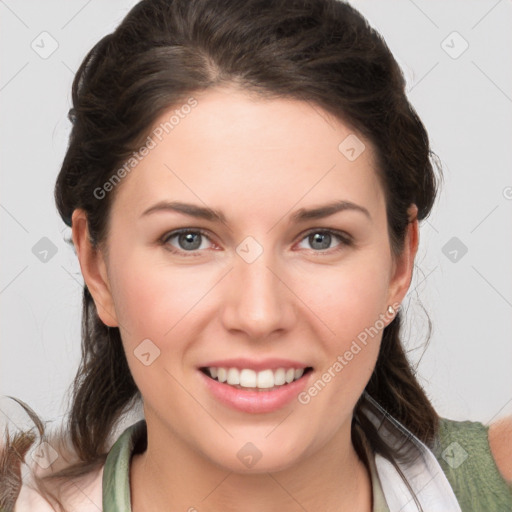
point(351, 301)
point(150, 297)
point(156, 303)
point(348, 298)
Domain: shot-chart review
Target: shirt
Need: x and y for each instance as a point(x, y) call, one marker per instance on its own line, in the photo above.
point(461, 450)
point(116, 495)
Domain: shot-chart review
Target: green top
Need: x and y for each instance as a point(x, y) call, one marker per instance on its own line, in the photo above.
point(464, 454)
point(462, 450)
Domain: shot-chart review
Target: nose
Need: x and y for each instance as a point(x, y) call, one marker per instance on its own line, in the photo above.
point(257, 301)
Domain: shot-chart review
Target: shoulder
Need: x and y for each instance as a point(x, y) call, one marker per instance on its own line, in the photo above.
point(80, 494)
point(500, 442)
point(496, 439)
point(86, 492)
point(463, 450)
point(81, 491)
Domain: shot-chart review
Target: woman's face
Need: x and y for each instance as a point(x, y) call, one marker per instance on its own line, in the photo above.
point(273, 272)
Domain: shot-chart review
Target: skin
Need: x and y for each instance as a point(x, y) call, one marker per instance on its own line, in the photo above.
point(257, 161)
point(500, 442)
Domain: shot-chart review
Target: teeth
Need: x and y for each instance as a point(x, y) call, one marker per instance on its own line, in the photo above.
point(279, 377)
point(299, 373)
point(233, 377)
point(247, 378)
point(222, 374)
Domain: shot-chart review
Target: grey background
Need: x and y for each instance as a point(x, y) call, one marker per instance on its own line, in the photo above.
point(465, 101)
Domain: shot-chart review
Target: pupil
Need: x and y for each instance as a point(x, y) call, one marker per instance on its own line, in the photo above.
point(190, 241)
point(322, 239)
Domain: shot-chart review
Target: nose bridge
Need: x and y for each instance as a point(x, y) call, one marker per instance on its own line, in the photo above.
point(258, 303)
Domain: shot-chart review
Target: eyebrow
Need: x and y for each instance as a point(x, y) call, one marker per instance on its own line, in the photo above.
point(327, 210)
point(188, 209)
point(213, 215)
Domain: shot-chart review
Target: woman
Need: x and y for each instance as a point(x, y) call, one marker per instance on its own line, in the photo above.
point(244, 184)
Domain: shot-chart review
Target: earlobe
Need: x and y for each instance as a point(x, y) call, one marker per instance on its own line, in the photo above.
point(93, 267)
point(404, 264)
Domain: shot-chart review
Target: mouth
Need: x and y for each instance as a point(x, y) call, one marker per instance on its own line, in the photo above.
point(267, 387)
point(260, 381)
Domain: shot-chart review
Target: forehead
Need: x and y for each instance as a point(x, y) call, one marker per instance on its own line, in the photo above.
point(258, 152)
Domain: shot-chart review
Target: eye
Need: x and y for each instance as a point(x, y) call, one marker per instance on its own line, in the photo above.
point(194, 240)
point(186, 240)
point(322, 240)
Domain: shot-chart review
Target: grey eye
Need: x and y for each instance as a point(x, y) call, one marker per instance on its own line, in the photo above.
point(189, 241)
point(320, 240)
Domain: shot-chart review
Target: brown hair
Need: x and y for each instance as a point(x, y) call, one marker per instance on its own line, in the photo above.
point(320, 51)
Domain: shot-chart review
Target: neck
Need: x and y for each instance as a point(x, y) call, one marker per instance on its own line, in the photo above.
point(171, 475)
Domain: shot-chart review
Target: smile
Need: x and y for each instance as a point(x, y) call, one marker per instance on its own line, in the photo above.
point(248, 379)
point(255, 392)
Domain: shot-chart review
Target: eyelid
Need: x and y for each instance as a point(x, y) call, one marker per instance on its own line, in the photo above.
point(164, 240)
point(179, 231)
point(338, 232)
point(344, 237)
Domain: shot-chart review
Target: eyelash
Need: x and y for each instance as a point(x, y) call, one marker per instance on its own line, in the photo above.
point(344, 238)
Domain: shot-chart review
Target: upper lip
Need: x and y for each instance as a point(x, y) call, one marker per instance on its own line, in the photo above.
point(264, 364)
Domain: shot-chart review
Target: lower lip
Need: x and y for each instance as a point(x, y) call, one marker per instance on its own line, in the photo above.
point(256, 401)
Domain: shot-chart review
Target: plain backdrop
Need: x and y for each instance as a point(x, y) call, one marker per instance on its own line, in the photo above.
point(456, 58)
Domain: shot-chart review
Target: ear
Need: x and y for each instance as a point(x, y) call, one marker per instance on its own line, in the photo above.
point(94, 269)
point(403, 266)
